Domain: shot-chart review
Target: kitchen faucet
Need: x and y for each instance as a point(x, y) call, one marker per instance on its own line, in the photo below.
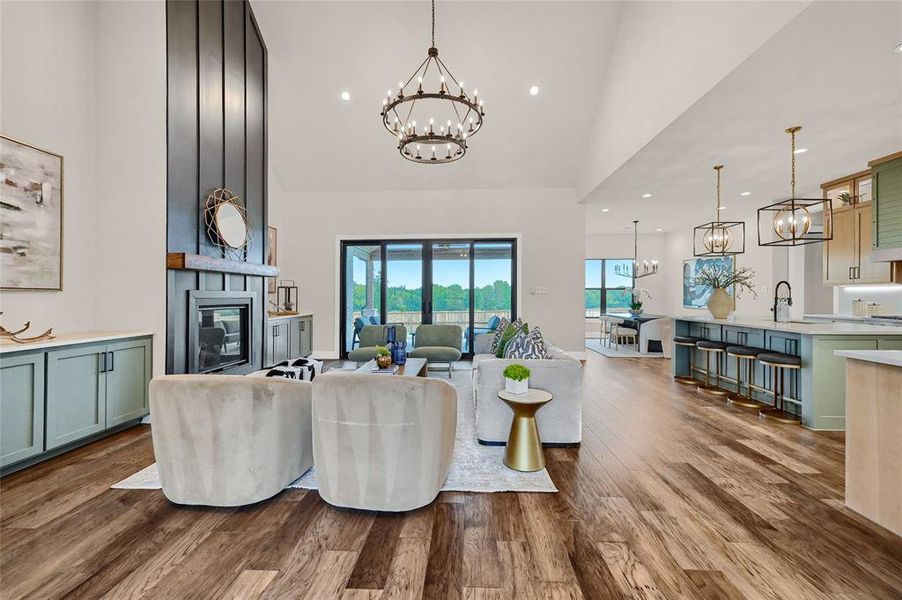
point(781, 305)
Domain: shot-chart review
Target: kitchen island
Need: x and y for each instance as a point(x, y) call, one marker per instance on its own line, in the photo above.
point(817, 391)
point(874, 435)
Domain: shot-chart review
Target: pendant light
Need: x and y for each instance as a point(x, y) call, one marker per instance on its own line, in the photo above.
point(794, 221)
point(718, 238)
point(635, 270)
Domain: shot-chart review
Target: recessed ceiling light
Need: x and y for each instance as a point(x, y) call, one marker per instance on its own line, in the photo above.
point(745, 194)
point(605, 210)
point(659, 229)
point(346, 96)
point(646, 195)
point(534, 90)
point(800, 150)
point(721, 208)
point(898, 48)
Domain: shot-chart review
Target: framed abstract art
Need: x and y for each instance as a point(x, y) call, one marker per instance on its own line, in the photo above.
point(696, 296)
point(31, 217)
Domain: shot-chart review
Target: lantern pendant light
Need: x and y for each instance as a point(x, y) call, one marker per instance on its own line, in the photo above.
point(795, 221)
point(718, 238)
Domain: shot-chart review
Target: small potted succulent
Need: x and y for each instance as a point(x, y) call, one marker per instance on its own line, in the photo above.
point(636, 308)
point(383, 357)
point(516, 379)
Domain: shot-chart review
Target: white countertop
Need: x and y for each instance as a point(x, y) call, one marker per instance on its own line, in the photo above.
point(856, 319)
point(67, 339)
point(885, 357)
point(282, 317)
point(822, 328)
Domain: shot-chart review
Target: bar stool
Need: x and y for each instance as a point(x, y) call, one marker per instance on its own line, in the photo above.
point(718, 348)
point(747, 354)
point(779, 362)
point(682, 340)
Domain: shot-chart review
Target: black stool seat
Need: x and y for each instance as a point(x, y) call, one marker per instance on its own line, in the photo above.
point(711, 345)
point(745, 350)
point(682, 339)
point(778, 358)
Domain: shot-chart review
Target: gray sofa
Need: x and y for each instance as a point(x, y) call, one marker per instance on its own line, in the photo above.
point(560, 421)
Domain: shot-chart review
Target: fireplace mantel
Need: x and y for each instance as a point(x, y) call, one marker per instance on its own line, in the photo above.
point(195, 262)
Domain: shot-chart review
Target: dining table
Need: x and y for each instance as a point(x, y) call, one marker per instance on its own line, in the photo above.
point(635, 322)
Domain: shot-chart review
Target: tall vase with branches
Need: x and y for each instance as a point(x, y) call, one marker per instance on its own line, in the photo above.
point(720, 277)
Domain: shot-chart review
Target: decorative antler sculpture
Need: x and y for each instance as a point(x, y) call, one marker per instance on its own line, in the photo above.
point(14, 335)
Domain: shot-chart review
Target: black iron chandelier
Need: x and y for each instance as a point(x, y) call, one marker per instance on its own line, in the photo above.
point(718, 238)
point(448, 115)
point(790, 222)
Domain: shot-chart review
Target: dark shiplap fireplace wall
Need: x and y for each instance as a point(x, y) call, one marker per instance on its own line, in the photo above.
point(216, 136)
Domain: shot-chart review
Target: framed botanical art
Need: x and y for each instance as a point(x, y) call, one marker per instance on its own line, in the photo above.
point(272, 255)
point(696, 296)
point(31, 217)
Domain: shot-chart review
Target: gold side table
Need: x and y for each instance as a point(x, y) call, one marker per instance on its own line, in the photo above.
point(524, 448)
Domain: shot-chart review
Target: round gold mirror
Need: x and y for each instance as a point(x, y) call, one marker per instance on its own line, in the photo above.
point(227, 223)
point(230, 225)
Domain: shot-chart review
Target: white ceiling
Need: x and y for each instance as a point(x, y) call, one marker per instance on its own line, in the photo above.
point(318, 49)
point(698, 83)
point(832, 70)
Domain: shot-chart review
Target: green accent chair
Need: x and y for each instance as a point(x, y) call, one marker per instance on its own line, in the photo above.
point(438, 343)
point(370, 337)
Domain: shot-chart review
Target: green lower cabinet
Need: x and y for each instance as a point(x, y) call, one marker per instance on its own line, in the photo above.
point(893, 343)
point(129, 368)
point(76, 393)
point(824, 383)
point(22, 407)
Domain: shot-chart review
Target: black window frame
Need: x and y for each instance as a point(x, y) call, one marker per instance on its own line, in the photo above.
point(603, 289)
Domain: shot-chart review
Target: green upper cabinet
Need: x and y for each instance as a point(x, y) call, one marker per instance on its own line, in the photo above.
point(128, 372)
point(21, 406)
point(887, 217)
point(76, 393)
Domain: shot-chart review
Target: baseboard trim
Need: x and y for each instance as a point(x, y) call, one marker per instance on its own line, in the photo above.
point(544, 444)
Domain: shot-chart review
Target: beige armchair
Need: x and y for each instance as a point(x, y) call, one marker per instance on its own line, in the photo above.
point(225, 440)
point(382, 442)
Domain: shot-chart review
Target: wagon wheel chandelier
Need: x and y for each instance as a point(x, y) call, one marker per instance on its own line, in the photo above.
point(448, 117)
point(718, 238)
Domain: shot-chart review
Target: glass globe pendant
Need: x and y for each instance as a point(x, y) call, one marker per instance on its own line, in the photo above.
point(718, 238)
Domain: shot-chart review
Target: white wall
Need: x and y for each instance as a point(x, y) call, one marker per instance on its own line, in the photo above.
point(651, 247)
point(552, 249)
point(130, 219)
point(87, 80)
point(47, 76)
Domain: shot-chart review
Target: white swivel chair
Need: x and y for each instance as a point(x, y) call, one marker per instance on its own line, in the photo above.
point(659, 330)
point(226, 440)
point(382, 442)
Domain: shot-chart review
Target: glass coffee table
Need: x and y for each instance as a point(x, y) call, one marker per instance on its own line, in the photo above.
point(524, 448)
point(415, 367)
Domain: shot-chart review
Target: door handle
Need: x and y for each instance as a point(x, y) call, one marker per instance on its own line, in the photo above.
point(103, 362)
point(112, 366)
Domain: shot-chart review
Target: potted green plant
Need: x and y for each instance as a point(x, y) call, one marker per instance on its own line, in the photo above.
point(516, 379)
point(383, 357)
point(719, 277)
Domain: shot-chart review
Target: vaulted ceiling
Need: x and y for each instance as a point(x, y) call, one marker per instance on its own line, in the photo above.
point(635, 97)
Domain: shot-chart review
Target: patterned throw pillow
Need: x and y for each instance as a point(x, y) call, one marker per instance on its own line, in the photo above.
point(509, 332)
point(300, 369)
point(496, 338)
point(526, 345)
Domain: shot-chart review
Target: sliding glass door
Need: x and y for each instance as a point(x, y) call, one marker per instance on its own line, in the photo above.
point(459, 282)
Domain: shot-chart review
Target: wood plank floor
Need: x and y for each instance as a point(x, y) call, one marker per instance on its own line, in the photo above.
point(672, 495)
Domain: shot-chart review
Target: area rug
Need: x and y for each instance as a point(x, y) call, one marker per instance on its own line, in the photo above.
point(621, 352)
point(474, 467)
